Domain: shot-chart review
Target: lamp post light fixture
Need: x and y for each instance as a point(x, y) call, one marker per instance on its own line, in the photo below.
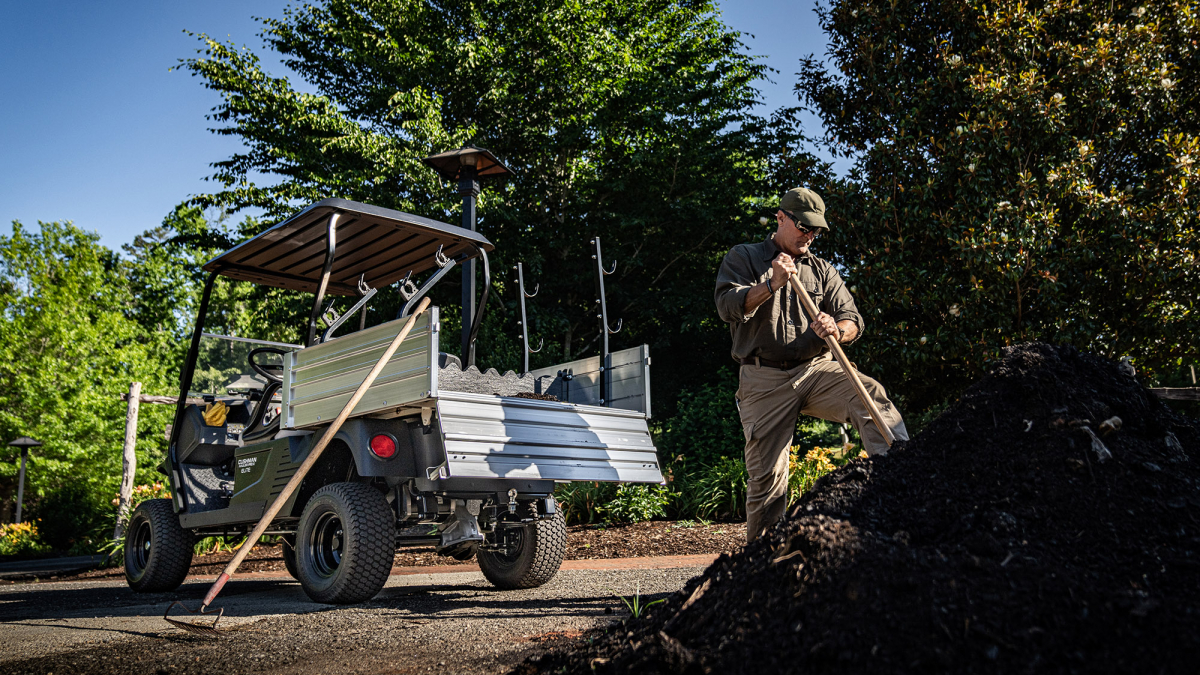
point(24, 443)
point(468, 165)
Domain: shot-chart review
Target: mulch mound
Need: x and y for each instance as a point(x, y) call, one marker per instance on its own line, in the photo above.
point(997, 541)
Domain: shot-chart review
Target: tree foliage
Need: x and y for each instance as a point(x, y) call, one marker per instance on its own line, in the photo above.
point(69, 347)
point(1024, 171)
point(627, 120)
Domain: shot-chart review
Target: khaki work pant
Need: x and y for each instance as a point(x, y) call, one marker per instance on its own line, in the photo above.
point(769, 400)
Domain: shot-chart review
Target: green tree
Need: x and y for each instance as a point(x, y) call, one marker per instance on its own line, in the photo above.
point(68, 348)
point(628, 120)
point(1023, 171)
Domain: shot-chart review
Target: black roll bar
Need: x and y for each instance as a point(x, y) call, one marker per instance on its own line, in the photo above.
point(185, 384)
point(330, 250)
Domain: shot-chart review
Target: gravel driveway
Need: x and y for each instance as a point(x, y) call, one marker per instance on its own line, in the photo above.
point(448, 622)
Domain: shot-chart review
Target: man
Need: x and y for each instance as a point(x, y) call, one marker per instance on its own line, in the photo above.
point(785, 365)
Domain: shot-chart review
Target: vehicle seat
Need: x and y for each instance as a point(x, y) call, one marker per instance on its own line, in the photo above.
point(255, 429)
point(209, 446)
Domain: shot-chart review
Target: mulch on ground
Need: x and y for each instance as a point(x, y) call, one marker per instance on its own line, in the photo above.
point(1000, 540)
point(584, 542)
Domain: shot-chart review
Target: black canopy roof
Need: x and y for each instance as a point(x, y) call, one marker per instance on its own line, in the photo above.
point(382, 244)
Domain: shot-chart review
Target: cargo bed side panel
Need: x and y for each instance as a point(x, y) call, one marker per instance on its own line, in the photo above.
point(501, 437)
point(319, 380)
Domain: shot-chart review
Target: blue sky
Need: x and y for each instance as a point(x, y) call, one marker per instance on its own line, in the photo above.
point(95, 128)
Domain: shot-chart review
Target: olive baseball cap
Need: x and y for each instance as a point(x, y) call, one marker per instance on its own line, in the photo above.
point(807, 205)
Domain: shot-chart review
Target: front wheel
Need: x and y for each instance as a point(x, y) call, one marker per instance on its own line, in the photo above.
point(158, 552)
point(345, 544)
point(534, 553)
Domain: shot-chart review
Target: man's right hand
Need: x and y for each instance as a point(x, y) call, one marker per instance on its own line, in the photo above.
point(782, 267)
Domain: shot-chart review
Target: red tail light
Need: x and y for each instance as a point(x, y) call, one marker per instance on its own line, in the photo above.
point(383, 446)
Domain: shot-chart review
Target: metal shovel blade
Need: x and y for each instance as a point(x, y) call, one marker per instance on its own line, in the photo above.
point(198, 628)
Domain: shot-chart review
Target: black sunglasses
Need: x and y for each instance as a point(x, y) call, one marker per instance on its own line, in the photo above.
point(815, 232)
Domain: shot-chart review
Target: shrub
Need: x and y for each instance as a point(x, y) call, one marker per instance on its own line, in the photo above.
point(634, 503)
point(70, 517)
point(720, 489)
point(581, 502)
point(707, 426)
point(21, 539)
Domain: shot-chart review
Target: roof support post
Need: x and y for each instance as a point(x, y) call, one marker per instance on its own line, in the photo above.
point(185, 383)
point(330, 250)
point(468, 187)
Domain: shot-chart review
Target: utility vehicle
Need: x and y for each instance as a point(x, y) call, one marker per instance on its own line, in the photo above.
point(435, 454)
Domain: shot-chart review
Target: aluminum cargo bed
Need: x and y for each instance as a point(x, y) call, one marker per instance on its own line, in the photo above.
point(508, 437)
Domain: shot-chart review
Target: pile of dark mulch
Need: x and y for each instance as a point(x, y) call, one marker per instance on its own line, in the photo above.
point(996, 541)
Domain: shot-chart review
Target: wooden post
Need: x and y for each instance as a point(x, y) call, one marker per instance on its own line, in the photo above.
point(128, 460)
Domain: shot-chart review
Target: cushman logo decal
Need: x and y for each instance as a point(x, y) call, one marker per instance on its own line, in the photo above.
point(245, 465)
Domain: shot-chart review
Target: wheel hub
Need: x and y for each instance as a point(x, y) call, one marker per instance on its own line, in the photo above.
point(325, 545)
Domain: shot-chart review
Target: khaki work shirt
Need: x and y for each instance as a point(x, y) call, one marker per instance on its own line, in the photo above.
point(777, 330)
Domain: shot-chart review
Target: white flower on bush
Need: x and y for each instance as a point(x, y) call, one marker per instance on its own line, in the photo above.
point(1056, 99)
point(1167, 83)
point(971, 167)
point(1138, 11)
point(954, 59)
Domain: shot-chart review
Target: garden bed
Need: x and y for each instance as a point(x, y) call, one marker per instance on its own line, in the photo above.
point(584, 542)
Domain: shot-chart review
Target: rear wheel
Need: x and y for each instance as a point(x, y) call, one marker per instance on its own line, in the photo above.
point(158, 552)
point(535, 552)
point(345, 544)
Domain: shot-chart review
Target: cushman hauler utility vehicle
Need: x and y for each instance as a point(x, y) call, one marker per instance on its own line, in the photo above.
point(433, 454)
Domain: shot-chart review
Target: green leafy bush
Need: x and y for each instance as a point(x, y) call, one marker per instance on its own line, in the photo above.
point(71, 518)
point(634, 503)
point(720, 489)
point(581, 502)
point(707, 426)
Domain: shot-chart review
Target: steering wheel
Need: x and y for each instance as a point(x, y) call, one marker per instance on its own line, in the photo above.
point(272, 372)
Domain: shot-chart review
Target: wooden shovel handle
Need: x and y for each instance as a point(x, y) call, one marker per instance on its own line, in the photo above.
point(836, 348)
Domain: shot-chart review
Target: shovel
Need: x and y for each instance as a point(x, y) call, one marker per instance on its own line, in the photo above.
point(836, 348)
point(273, 510)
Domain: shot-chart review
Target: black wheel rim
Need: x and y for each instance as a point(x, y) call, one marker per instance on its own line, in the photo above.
point(142, 542)
point(514, 541)
point(326, 544)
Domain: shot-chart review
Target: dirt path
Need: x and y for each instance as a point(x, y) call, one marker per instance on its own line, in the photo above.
point(443, 619)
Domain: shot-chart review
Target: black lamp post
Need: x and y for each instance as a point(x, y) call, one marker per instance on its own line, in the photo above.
point(468, 165)
point(24, 443)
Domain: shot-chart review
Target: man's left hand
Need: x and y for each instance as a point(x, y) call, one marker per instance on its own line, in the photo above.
point(824, 326)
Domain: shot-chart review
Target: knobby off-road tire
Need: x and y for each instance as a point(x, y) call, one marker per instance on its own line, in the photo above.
point(536, 560)
point(345, 544)
point(158, 552)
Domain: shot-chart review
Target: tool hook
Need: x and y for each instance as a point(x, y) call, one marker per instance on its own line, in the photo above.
point(440, 258)
point(407, 288)
point(612, 331)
